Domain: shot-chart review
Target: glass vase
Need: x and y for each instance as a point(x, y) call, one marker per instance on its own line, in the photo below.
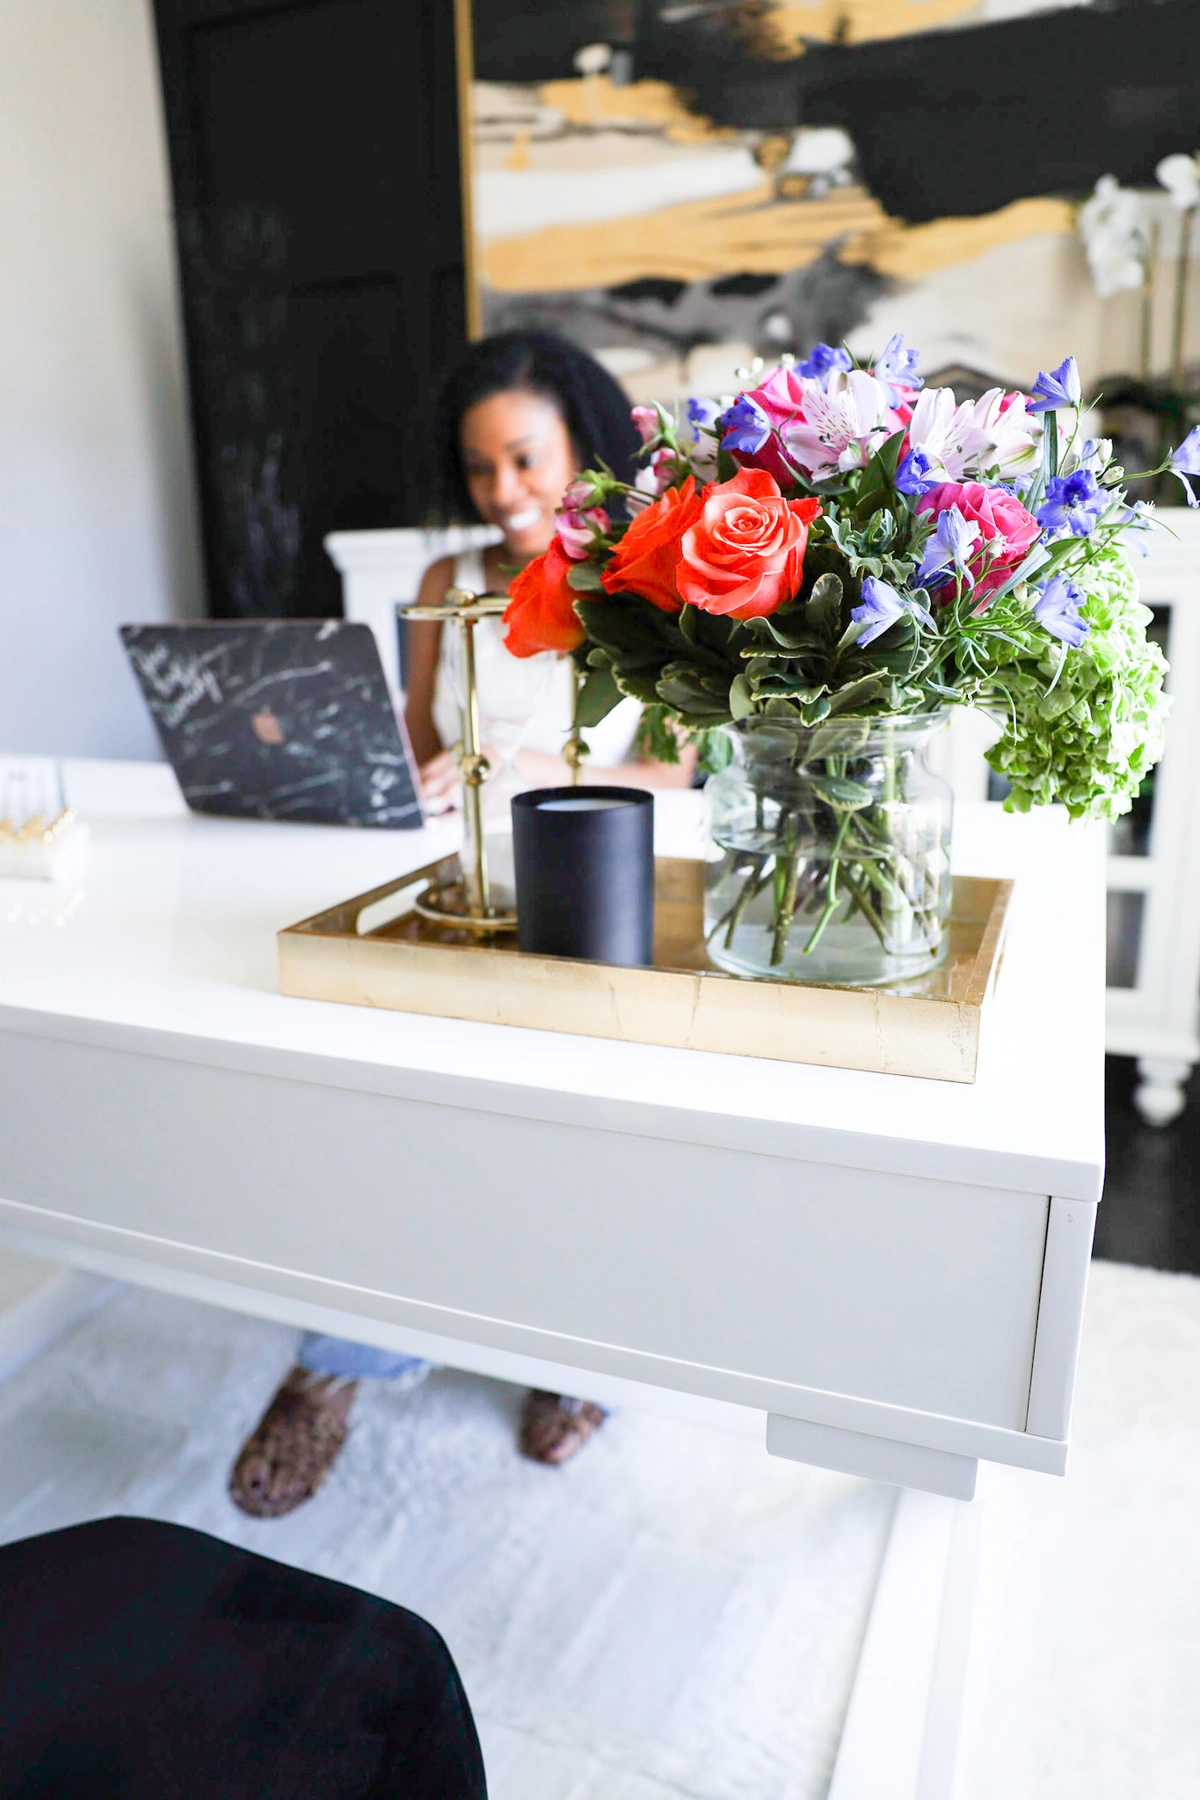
point(829, 852)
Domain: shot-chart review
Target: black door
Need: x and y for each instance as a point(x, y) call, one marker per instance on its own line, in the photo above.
point(314, 158)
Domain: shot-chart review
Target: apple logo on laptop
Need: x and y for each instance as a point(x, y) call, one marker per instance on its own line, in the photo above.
point(267, 728)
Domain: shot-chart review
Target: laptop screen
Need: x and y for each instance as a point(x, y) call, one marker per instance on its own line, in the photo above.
point(278, 719)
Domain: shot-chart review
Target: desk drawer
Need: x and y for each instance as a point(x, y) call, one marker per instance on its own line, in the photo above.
point(719, 1270)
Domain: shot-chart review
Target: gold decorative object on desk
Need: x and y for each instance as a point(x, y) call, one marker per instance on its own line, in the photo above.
point(466, 902)
point(384, 949)
point(40, 835)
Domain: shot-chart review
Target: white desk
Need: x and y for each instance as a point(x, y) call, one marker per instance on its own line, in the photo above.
point(891, 1269)
point(885, 1274)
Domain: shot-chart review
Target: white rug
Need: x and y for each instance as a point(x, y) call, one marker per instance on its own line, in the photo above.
point(674, 1613)
point(1084, 1672)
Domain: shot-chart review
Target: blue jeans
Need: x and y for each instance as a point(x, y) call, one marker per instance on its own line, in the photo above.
point(337, 1356)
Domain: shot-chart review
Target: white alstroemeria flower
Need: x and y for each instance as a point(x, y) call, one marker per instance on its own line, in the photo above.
point(962, 441)
point(1004, 436)
point(932, 427)
point(1180, 175)
point(946, 432)
point(1110, 226)
point(843, 425)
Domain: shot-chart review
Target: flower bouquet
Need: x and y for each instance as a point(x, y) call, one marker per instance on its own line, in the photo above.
point(803, 579)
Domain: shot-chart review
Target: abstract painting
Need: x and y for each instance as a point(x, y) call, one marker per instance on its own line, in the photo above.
point(682, 184)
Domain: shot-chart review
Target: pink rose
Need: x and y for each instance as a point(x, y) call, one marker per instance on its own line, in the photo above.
point(578, 530)
point(1007, 532)
point(657, 475)
point(744, 555)
point(647, 422)
point(579, 495)
point(781, 398)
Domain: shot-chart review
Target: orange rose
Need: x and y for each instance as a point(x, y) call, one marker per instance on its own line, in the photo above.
point(744, 555)
point(540, 614)
point(647, 556)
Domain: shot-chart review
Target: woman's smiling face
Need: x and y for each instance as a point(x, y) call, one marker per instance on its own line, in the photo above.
point(518, 461)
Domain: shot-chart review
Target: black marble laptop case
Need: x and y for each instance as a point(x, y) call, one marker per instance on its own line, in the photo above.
point(278, 719)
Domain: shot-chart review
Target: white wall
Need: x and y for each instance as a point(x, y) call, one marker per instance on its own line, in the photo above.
point(97, 508)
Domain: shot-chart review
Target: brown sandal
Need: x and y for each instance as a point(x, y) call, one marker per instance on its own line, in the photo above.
point(555, 1427)
point(294, 1445)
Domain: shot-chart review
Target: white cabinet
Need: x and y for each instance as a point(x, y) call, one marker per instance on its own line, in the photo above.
point(1154, 857)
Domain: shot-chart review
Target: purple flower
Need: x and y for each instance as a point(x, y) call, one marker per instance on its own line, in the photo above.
point(916, 473)
point(1186, 461)
point(1073, 503)
point(703, 414)
point(745, 427)
point(1058, 389)
point(898, 367)
point(1057, 611)
point(949, 548)
point(881, 607)
point(822, 361)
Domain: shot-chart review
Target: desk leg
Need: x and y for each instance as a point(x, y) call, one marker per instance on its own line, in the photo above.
point(1159, 1095)
point(901, 1731)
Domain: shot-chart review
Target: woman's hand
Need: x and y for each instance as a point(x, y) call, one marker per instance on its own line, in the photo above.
point(439, 782)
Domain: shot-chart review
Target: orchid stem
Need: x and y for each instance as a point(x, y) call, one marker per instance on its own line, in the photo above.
point(1181, 286)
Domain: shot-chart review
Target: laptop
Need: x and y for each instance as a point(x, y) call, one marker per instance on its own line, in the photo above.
point(278, 719)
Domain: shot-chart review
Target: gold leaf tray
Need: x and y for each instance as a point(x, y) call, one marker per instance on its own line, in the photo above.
point(377, 951)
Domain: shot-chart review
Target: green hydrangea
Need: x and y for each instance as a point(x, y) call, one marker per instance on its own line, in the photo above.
point(1089, 742)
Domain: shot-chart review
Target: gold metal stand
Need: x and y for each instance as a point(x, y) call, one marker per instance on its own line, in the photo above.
point(467, 903)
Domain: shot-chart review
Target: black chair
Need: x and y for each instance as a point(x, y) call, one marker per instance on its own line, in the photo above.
point(145, 1661)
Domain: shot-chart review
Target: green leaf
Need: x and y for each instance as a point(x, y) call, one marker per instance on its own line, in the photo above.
point(786, 627)
point(639, 684)
point(687, 624)
point(655, 736)
point(888, 454)
point(846, 796)
point(584, 577)
point(598, 695)
point(741, 700)
point(859, 693)
point(837, 737)
point(823, 609)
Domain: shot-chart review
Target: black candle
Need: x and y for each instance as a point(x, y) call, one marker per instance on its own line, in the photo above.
point(584, 864)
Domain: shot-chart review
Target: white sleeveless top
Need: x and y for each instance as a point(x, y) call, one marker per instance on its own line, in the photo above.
point(525, 702)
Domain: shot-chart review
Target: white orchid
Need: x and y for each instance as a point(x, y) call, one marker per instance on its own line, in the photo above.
point(961, 442)
point(843, 425)
point(1111, 229)
point(1180, 175)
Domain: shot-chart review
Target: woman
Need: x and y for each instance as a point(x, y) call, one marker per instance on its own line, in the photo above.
point(519, 418)
point(517, 421)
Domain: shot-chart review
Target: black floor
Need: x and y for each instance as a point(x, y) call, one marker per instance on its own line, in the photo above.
point(1151, 1208)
